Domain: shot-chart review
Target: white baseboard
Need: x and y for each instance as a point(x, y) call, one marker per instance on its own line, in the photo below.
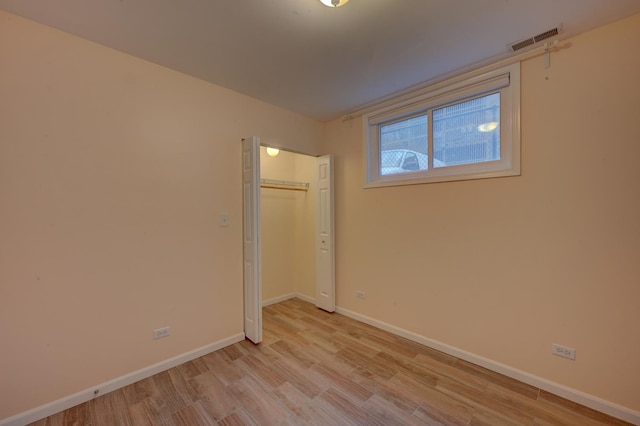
point(305, 298)
point(549, 386)
point(117, 383)
point(278, 299)
point(574, 395)
point(287, 297)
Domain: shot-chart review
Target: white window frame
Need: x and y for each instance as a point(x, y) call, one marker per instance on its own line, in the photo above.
point(504, 80)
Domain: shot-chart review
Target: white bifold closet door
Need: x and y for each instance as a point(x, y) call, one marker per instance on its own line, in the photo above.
point(251, 239)
point(325, 264)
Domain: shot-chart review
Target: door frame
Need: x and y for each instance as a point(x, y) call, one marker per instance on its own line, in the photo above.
point(253, 287)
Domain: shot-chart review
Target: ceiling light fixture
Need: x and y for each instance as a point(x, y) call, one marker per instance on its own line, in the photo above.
point(273, 152)
point(334, 3)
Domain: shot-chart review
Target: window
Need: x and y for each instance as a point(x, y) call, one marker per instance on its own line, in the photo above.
point(465, 129)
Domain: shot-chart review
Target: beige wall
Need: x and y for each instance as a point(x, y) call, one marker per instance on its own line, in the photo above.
point(288, 226)
point(505, 267)
point(278, 217)
point(113, 173)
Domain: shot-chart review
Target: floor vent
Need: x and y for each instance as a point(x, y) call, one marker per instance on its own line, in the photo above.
point(535, 39)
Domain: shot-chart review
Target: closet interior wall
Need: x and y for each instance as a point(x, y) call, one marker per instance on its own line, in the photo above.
point(288, 227)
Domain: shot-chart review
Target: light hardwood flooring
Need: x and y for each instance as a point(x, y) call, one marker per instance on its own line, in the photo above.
point(316, 368)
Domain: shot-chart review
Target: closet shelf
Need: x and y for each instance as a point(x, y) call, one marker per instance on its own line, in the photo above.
point(284, 184)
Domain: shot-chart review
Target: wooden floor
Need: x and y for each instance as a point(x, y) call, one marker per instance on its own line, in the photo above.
point(315, 368)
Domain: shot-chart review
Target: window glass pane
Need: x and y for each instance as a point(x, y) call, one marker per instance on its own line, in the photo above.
point(403, 146)
point(467, 132)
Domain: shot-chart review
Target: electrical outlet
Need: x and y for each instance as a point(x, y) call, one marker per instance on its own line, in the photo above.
point(563, 351)
point(160, 333)
point(360, 294)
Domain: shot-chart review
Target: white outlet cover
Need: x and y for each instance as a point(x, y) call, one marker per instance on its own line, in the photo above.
point(563, 351)
point(161, 332)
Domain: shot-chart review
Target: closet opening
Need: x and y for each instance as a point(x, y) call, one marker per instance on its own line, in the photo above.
point(288, 231)
point(288, 221)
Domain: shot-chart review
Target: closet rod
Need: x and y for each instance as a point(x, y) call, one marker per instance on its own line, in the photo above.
point(283, 184)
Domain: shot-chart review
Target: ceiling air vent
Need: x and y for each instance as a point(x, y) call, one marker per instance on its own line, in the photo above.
point(522, 44)
point(535, 39)
point(545, 35)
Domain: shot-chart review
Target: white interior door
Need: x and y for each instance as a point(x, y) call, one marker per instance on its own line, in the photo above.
point(251, 239)
point(325, 263)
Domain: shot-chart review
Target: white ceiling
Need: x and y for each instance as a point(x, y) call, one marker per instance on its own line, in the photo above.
point(306, 57)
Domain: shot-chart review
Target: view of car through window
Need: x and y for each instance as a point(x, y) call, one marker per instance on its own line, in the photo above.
point(403, 146)
point(391, 158)
point(394, 161)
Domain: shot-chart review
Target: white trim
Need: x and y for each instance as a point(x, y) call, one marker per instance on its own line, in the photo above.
point(566, 392)
point(504, 81)
point(286, 297)
point(574, 395)
point(62, 404)
point(278, 299)
point(471, 86)
point(305, 298)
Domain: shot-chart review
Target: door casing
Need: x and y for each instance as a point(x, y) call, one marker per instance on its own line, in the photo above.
point(324, 232)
